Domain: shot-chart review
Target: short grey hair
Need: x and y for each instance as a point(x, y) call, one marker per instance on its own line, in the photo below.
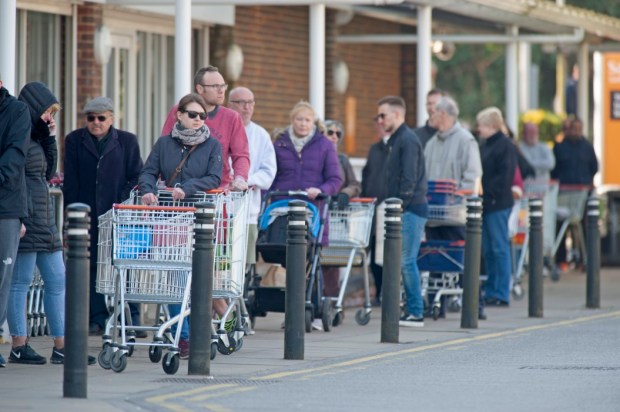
point(448, 105)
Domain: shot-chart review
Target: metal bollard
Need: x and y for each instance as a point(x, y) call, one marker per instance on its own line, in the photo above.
point(203, 259)
point(75, 378)
point(295, 297)
point(593, 260)
point(392, 256)
point(535, 251)
point(471, 270)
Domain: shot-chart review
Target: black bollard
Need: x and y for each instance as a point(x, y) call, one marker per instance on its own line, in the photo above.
point(593, 260)
point(392, 256)
point(535, 264)
point(203, 259)
point(295, 297)
point(75, 379)
point(471, 269)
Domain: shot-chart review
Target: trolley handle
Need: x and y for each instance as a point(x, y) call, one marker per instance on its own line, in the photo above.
point(120, 206)
point(293, 193)
point(363, 200)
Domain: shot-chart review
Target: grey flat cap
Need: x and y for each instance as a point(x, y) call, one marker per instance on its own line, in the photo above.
point(99, 105)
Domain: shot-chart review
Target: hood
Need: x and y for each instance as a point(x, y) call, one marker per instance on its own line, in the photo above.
point(38, 98)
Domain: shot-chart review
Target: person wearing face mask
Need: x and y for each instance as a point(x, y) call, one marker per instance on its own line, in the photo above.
point(41, 244)
point(351, 187)
point(188, 160)
point(101, 167)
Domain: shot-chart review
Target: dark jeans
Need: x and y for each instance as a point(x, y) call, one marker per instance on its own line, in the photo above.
point(98, 309)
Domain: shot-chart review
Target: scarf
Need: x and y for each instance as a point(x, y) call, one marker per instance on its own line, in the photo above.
point(300, 141)
point(190, 137)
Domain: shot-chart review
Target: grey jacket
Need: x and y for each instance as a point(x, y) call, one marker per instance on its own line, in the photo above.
point(540, 157)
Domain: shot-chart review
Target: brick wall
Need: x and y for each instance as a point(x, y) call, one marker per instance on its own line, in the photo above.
point(89, 73)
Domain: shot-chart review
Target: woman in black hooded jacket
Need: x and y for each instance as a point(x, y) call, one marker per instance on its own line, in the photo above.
point(41, 245)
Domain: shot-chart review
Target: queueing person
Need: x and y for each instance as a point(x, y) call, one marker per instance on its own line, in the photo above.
point(101, 167)
point(188, 160)
point(41, 245)
point(405, 178)
point(538, 154)
point(15, 127)
point(499, 162)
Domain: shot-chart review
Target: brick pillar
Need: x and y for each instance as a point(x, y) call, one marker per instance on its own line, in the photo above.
point(89, 73)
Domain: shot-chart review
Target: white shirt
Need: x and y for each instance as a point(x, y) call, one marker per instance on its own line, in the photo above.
point(263, 166)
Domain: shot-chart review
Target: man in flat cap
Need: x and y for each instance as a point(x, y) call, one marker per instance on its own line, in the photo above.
point(101, 166)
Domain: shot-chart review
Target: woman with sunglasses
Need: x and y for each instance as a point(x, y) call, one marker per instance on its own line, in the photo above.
point(188, 160)
point(351, 187)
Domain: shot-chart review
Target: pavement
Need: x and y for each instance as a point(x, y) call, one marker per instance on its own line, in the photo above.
point(144, 385)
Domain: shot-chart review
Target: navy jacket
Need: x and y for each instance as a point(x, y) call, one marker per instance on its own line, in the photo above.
point(406, 173)
point(41, 230)
point(14, 141)
point(499, 162)
point(100, 181)
point(575, 162)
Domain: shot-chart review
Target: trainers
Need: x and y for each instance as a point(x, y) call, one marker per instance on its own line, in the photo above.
point(58, 357)
point(411, 321)
point(317, 324)
point(230, 324)
point(184, 348)
point(2, 362)
point(26, 355)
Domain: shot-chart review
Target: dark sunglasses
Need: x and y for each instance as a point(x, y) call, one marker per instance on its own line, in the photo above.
point(91, 118)
point(192, 115)
point(380, 116)
point(334, 132)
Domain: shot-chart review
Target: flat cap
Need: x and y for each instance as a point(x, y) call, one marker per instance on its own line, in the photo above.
point(99, 105)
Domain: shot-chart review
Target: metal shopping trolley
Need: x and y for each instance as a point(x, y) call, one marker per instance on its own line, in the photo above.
point(349, 233)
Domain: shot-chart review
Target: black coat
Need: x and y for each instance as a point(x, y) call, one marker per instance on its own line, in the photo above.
point(14, 142)
point(499, 162)
point(100, 181)
point(575, 162)
point(373, 173)
point(41, 230)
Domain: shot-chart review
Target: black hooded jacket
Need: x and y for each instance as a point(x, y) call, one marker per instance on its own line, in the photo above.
point(41, 230)
point(14, 141)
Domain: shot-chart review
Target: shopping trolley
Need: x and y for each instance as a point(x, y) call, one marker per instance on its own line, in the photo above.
point(441, 261)
point(349, 233)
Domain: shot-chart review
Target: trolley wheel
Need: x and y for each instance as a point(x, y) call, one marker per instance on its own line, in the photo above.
point(338, 318)
point(327, 315)
point(119, 361)
point(155, 353)
point(239, 345)
point(213, 350)
point(105, 356)
point(454, 305)
point(171, 363)
point(362, 317)
point(308, 320)
point(130, 346)
point(226, 350)
point(555, 274)
point(436, 311)
point(517, 291)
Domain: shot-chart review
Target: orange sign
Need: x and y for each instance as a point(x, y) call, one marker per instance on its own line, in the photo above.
point(611, 118)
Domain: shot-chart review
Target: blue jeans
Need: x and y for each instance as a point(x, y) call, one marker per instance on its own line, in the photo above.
point(413, 228)
point(496, 250)
point(52, 269)
point(175, 310)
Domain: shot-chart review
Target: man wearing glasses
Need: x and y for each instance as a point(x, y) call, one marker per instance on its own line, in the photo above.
point(101, 165)
point(224, 124)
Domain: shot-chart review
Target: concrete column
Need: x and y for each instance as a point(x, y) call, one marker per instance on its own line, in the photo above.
point(424, 81)
point(183, 48)
point(8, 23)
point(525, 63)
point(512, 81)
point(583, 86)
point(317, 59)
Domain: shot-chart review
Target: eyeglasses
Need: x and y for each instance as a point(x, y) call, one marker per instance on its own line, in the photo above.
point(380, 116)
point(243, 102)
point(91, 118)
point(338, 133)
point(193, 115)
point(218, 87)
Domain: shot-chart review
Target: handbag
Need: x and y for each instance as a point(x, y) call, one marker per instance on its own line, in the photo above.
point(180, 166)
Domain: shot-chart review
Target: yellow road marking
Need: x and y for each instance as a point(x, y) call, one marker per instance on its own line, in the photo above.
point(230, 391)
point(161, 399)
point(213, 407)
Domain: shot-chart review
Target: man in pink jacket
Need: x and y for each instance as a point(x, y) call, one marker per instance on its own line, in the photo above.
point(225, 125)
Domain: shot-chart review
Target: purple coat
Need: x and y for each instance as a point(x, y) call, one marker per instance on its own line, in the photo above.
point(316, 166)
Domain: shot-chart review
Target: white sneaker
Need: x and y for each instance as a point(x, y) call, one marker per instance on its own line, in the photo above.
point(317, 324)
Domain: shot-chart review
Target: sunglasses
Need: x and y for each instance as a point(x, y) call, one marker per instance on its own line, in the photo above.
point(380, 116)
point(193, 115)
point(334, 132)
point(91, 118)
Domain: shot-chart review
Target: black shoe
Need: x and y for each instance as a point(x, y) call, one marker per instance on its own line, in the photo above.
point(482, 316)
point(411, 321)
point(26, 355)
point(95, 330)
point(141, 334)
point(58, 357)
